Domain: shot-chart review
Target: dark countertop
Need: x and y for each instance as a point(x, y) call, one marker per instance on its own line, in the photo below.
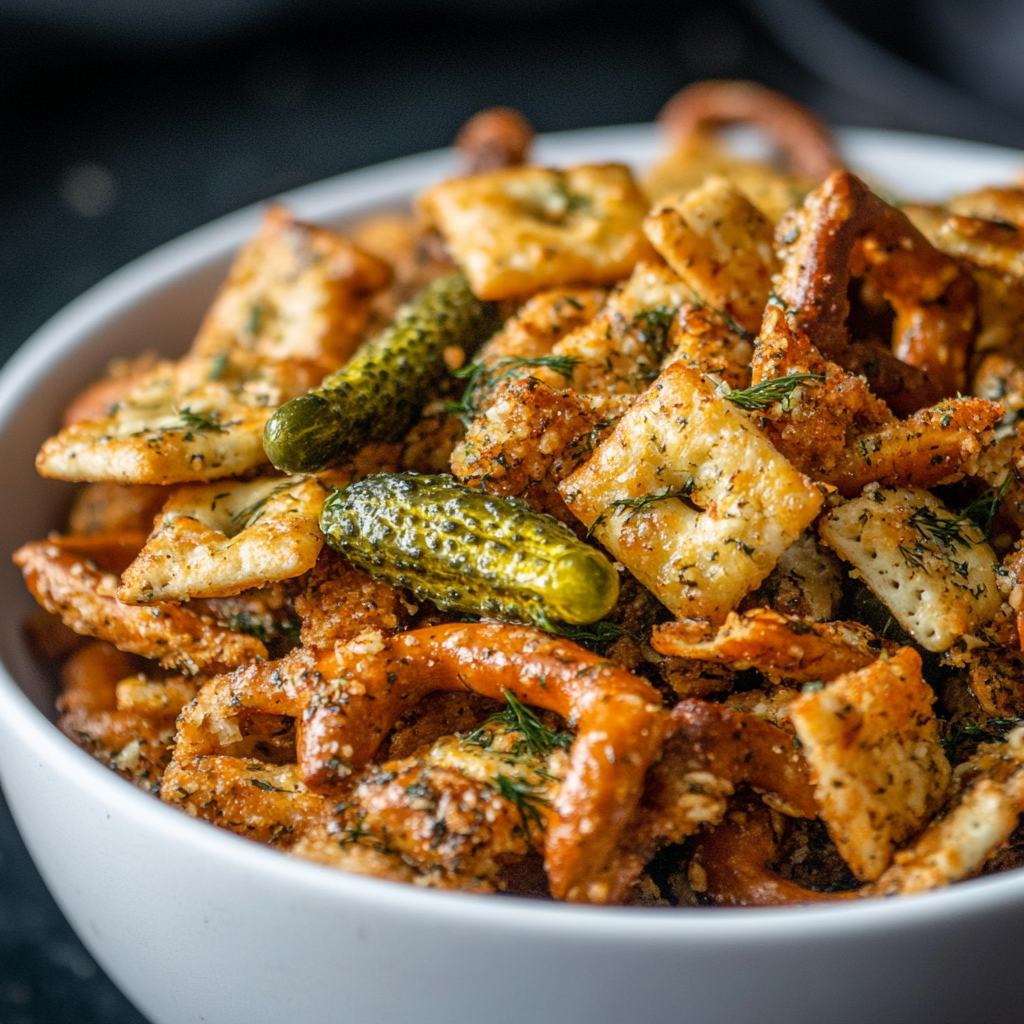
point(110, 151)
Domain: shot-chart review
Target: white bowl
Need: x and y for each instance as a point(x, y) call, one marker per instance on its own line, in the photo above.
point(196, 924)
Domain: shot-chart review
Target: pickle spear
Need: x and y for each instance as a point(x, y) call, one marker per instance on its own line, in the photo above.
point(379, 392)
point(468, 550)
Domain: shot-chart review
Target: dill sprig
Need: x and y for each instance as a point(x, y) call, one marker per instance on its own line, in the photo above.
point(537, 739)
point(983, 509)
point(247, 516)
point(945, 531)
point(912, 558)
point(356, 834)
point(200, 422)
point(482, 377)
point(638, 504)
point(525, 797)
point(596, 637)
point(267, 787)
point(768, 392)
point(963, 734)
point(653, 326)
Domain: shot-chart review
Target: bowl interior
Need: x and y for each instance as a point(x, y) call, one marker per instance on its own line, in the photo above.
point(157, 303)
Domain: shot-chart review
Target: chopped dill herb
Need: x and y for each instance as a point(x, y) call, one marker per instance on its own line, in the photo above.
point(484, 376)
point(356, 834)
point(983, 509)
point(247, 516)
point(946, 531)
point(240, 622)
point(638, 504)
point(257, 311)
point(537, 739)
point(965, 734)
point(525, 797)
point(653, 326)
point(200, 422)
point(912, 558)
point(596, 637)
point(217, 367)
point(267, 787)
point(768, 392)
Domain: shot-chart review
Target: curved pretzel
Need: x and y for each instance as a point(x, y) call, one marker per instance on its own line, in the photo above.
point(618, 719)
point(803, 138)
point(738, 748)
point(844, 230)
point(493, 138)
point(734, 859)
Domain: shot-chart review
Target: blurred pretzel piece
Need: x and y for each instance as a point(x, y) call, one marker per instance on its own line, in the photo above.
point(987, 234)
point(116, 508)
point(135, 741)
point(618, 717)
point(844, 230)
point(731, 863)
point(780, 647)
point(803, 138)
point(63, 575)
point(493, 138)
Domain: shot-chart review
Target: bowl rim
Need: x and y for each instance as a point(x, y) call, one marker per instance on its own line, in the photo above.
point(335, 198)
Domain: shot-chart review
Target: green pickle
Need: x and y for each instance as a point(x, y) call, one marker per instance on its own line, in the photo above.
point(378, 394)
point(469, 551)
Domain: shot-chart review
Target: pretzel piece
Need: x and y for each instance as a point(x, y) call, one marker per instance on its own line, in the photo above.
point(780, 647)
point(843, 230)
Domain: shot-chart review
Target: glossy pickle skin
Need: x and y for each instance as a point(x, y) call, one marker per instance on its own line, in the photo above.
point(469, 551)
point(379, 392)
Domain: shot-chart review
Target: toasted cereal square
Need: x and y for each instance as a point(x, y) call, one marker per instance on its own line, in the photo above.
point(721, 245)
point(872, 743)
point(691, 497)
point(198, 419)
point(934, 571)
point(215, 540)
point(520, 229)
point(295, 292)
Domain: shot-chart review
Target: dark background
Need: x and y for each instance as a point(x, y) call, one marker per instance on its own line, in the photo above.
point(124, 123)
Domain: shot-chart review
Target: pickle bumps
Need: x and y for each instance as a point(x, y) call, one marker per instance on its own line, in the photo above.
point(468, 550)
point(379, 392)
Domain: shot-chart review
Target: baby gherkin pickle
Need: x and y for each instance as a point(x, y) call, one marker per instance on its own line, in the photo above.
point(379, 392)
point(469, 551)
